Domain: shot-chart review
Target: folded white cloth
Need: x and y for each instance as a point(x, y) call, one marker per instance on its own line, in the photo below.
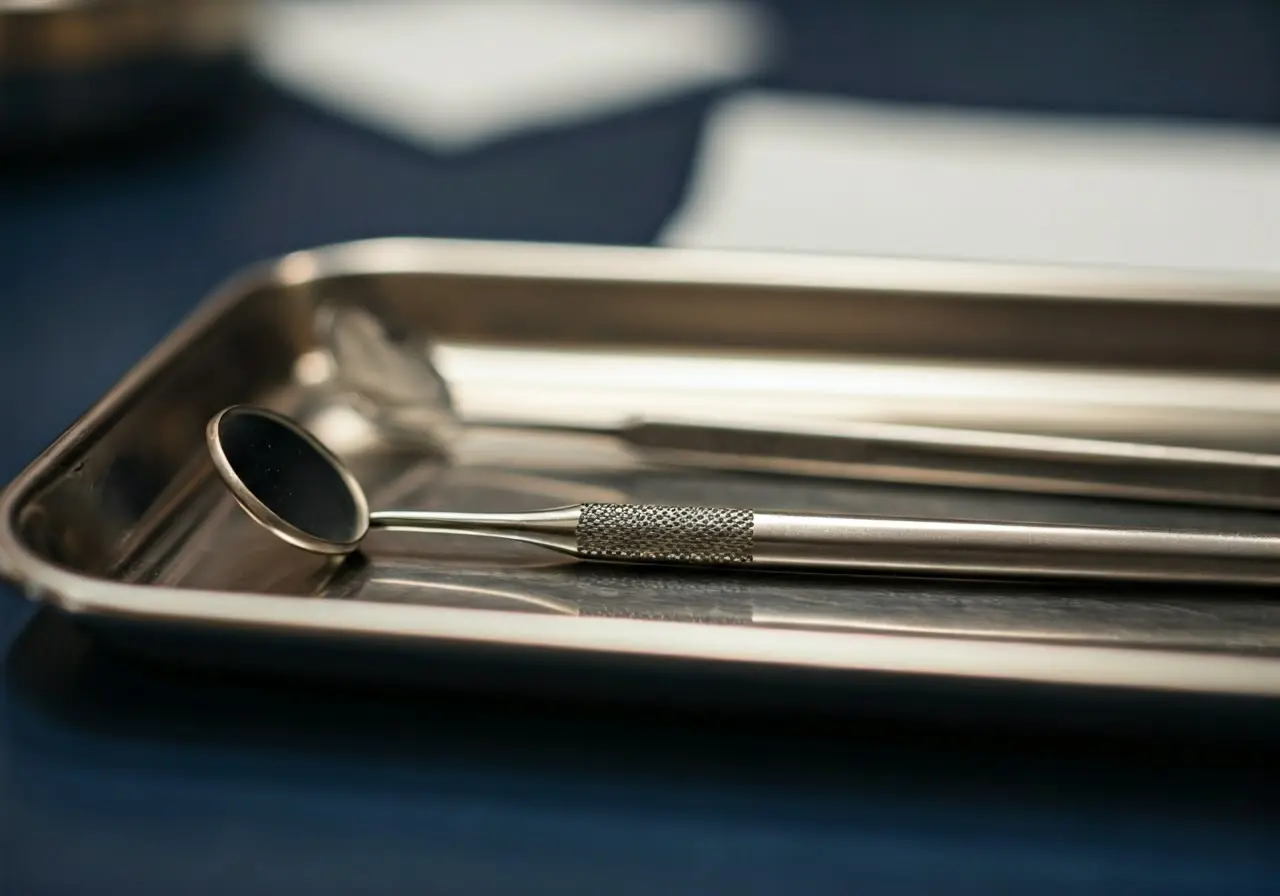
point(804, 173)
point(452, 74)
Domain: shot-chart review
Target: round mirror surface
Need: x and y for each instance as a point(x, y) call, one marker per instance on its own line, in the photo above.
point(291, 475)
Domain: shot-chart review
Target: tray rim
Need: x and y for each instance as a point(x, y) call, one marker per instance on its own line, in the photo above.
point(1092, 665)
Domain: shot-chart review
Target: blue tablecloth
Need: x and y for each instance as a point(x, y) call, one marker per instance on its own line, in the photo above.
point(118, 777)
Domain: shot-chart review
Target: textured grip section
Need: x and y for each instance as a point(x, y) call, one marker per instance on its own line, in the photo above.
point(630, 532)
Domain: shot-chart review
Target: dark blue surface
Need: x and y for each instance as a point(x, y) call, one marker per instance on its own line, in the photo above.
point(120, 777)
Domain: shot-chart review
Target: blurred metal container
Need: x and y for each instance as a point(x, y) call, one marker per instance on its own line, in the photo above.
point(71, 69)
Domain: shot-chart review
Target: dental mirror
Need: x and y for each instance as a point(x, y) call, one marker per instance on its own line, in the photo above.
point(297, 489)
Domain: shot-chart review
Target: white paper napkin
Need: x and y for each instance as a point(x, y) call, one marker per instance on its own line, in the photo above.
point(805, 173)
point(452, 74)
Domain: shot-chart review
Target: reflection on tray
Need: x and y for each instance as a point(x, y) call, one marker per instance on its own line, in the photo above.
point(384, 585)
point(1149, 617)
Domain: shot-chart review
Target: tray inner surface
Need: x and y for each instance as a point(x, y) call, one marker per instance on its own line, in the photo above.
point(137, 502)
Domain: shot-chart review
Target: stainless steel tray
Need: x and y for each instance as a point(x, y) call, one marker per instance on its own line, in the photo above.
point(121, 526)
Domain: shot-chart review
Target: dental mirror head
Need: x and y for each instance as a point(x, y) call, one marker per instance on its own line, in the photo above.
point(287, 481)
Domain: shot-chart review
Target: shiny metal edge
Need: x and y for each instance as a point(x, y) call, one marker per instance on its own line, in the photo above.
point(1059, 664)
point(649, 264)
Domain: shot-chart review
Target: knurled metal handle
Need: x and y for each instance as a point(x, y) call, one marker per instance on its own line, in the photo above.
point(666, 534)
